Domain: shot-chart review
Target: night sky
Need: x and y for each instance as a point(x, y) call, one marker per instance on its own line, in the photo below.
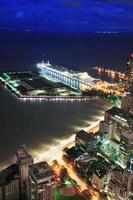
point(66, 15)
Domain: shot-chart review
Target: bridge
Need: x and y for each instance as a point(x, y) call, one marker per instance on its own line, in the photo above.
point(66, 77)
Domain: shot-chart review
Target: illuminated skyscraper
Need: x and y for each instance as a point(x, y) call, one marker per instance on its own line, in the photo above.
point(24, 159)
point(128, 178)
point(10, 183)
point(127, 104)
point(127, 101)
point(121, 184)
point(129, 74)
point(42, 181)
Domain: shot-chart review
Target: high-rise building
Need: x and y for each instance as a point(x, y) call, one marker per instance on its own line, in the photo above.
point(10, 183)
point(121, 184)
point(129, 74)
point(106, 129)
point(1, 192)
point(24, 159)
point(101, 178)
point(117, 129)
point(116, 188)
point(121, 122)
point(126, 143)
point(86, 141)
point(43, 181)
point(127, 101)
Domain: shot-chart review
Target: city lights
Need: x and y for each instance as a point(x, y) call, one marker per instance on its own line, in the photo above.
point(95, 162)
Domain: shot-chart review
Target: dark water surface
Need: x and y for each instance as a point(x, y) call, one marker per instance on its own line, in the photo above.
point(80, 52)
point(40, 124)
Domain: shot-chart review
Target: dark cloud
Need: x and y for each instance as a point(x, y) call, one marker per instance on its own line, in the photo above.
point(119, 1)
point(72, 4)
point(67, 15)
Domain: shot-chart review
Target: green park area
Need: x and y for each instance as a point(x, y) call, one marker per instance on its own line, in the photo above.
point(67, 191)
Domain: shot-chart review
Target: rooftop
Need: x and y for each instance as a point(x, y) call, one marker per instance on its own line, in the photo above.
point(86, 137)
point(9, 174)
point(120, 114)
point(22, 153)
point(73, 152)
point(98, 168)
point(40, 171)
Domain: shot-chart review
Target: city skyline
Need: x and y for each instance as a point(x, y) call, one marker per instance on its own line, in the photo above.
point(66, 94)
point(88, 163)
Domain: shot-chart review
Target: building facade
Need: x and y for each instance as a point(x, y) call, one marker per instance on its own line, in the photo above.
point(121, 185)
point(10, 183)
point(43, 181)
point(127, 101)
point(129, 74)
point(24, 159)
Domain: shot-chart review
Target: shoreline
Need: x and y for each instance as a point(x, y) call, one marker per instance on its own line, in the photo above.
point(97, 102)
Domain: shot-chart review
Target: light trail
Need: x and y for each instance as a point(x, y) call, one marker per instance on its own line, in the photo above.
point(74, 176)
point(81, 183)
point(55, 153)
point(109, 88)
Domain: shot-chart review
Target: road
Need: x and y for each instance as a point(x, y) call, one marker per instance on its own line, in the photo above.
point(55, 153)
